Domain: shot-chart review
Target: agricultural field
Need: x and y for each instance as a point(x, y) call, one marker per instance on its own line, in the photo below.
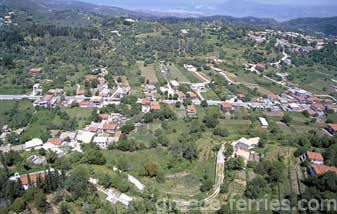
point(148, 72)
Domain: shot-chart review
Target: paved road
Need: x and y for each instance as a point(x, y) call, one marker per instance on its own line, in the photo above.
point(18, 97)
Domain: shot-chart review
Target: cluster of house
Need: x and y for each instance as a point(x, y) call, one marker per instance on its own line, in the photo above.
point(5, 130)
point(316, 161)
point(244, 148)
point(214, 59)
point(30, 178)
point(312, 42)
point(103, 133)
point(8, 19)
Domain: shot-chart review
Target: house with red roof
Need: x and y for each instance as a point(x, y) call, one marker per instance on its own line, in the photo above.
point(155, 106)
point(181, 95)
point(273, 97)
point(226, 107)
point(35, 71)
point(332, 128)
point(192, 95)
point(31, 178)
point(55, 141)
point(109, 128)
point(313, 157)
point(312, 113)
point(191, 111)
point(332, 107)
point(317, 169)
point(260, 67)
point(104, 116)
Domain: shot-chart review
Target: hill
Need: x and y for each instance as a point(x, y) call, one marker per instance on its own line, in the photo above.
point(327, 25)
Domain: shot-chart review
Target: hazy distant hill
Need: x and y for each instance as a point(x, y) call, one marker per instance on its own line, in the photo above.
point(242, 8)
point(325, 25)
point(75, 12)
point(62, 5)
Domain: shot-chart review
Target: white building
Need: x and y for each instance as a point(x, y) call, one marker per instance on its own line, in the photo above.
point(35, 143)
point(85, 136)
point(244, 143)
point(263, 121)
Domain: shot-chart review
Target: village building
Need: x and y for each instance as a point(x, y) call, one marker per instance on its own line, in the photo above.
point(36, 159)
point(318, 108)
point(146, 105)
point(263, 122)
point(191, 111)
point(273, 97)
point(55, 141)
point(332, 128)
point(155, 106)
point(85, 136)
point(35, 143)
point(33, 178)
point(68, 136)
point(46, 101)
point(174, 84)
point(192, 95)
point(260, 67)
point(317, 169)
point(35, 71)
point(181, 95)
point(247, 144)
point(332, 107)
point(311, 113)
point(226, 107)
point(312, 157)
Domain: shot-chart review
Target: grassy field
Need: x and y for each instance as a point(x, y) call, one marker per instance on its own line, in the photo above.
point(81, 115)
point(210, 95)
point(148, 72)
point(175, 74)
point(20, 106)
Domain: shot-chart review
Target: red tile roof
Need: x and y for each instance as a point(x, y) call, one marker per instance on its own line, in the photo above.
point(146, 101)
point(313, 99)
point(181, 94)
point(315, 156)
point(192, 95)
point(35, 70)
point(318, 106)
point(109, 126)
point(191, 108)
point(80, 92)
point(93, 129)
point(155, 105)
point(33, 177)
point(104, 116)
point(226, 105)
point(84, 104)
point(118, 134)
point(321, 169)
point(273, 96)
point(333, 126)
point(55, 141)
point(311, 112)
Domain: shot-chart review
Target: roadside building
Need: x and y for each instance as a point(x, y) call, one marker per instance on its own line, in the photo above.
point(313, 157)
point(35, 143)
point(332, 128)
point(226, 107)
